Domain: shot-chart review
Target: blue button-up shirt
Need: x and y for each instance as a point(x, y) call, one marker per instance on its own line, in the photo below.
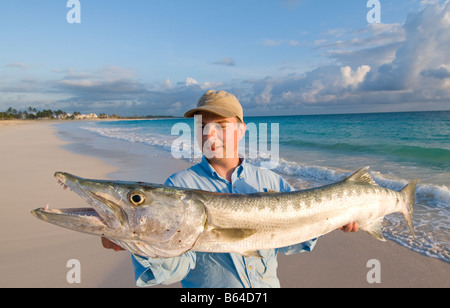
point(200, 269)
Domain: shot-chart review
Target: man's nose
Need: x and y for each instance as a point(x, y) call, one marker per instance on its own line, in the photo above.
point(211, 129)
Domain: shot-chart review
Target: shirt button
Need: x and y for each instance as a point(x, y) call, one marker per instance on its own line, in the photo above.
point(250, 267)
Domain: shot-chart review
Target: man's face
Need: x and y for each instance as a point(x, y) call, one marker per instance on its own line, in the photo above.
point(220, 136)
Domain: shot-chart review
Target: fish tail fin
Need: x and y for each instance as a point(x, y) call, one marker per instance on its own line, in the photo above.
point(409, 191)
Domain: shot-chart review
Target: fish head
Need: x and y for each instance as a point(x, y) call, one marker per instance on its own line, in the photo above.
point(159, 220)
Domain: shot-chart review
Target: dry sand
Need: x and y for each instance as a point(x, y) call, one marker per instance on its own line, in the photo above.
point(35, 254)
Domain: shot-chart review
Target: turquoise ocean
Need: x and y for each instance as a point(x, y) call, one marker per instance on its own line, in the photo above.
point(314, 150)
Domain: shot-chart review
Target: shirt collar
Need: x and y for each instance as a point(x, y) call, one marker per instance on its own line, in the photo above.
point(212, 172)
point(241, 167)
point(207, 167)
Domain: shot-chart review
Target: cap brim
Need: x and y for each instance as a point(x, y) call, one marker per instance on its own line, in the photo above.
point(218, 111)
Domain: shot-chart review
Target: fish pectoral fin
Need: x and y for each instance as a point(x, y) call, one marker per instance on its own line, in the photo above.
point(252, 253)
point(375, 229)
point(232, 234)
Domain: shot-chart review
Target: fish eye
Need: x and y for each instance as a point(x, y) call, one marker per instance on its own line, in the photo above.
point(136, 198)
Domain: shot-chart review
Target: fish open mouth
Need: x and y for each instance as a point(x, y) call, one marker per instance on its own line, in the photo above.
point(101, 216)
point(85, 220)
point(83, 212)
point(86, 212)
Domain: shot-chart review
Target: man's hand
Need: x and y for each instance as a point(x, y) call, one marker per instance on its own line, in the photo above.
point(110, 245)
point(351, 227)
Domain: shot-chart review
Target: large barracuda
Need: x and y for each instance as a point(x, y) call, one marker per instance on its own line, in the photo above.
point(163, 221)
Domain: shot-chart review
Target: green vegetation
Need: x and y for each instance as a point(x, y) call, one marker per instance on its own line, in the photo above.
point(34, 114)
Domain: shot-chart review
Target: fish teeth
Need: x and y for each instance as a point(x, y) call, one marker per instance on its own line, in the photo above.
point(63, 185)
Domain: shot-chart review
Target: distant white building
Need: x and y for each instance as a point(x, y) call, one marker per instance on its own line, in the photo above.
point(86, 116)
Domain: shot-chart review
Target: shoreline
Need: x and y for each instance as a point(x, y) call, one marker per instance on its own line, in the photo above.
point(33, 152)
point(58, 121)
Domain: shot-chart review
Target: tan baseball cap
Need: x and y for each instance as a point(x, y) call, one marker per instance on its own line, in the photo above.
point(221, 103)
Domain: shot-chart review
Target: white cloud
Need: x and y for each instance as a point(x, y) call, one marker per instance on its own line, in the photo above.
point(270, 43)
point(191, 82)
point(373, 45)
point(210, 85)
point(353, 79)
point(384, 67)
point(226, 61)
point(109, 79)
point(176, 108)
point(79, 83)
point(264, 98)
point(424, 3)
point(312, 92)
point(167, 85)
point(18, 65)
point(425, 49)
point(440, 73)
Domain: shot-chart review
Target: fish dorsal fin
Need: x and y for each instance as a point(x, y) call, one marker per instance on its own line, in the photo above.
point(362, 176)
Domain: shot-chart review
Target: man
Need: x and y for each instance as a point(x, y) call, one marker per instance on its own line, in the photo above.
point(221, 170)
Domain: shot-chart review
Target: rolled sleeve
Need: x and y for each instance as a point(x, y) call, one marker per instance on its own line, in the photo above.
point(150, 272)
point(299, 248)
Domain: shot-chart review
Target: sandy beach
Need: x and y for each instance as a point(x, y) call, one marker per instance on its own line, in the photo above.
point(35, 254)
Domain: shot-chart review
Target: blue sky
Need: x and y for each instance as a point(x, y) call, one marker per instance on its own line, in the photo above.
point(279, 57)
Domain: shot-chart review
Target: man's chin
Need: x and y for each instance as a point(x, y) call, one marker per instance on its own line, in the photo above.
point(219, 153)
